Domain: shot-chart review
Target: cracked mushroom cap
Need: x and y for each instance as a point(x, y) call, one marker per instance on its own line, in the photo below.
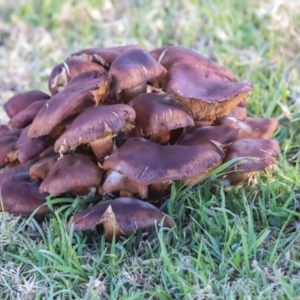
point(157, 115)
point(27, 115)
point(203, 92)
point(121, 217)
point(64, 72)
point(224, 134)
point(83, 91)
point(146, 162)
point(259, 153)
point(73, 172)
point(133, 68)
point(96, 127)
point(170, 55)
point(20, 101)
point(102, 56)
point(20, 195)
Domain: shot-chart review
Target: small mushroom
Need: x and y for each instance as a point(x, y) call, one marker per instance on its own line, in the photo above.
point(20, 195)
point(20, 101)
point(102, 56)
point(83, 91)
point(259, 153)
point(132, 69)
point(121, 217)
point(73, 172)
point(157, 115)
point(96, 126)
point(26, 116)
point(64, 72)
point(147, 163)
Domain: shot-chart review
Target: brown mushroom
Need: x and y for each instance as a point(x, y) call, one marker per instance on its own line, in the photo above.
point(133, 69)
point(256, 154)
point(102, 56)
point(157, 115)
point(73, 172)
point(20, 195)
point(7, 149)
point(147, 163)
point(96, 126)
point(26, 116)
point(83, 91)
point(64, 72)
point(20, 101)
point(121, 217)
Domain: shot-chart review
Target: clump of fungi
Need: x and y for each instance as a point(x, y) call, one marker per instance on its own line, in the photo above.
point(126, 122)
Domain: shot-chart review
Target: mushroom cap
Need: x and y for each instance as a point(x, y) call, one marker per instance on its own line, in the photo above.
point(156, 111)
point(170, 55)
point(96, 122)
point(121, 217)
point(202, 135)
point(72, 172)
point(116, 182)
point(238, 113)
point(26, 116)
point(29, 148)
point(20, 101)
point(102, 56)
point(20, 195)
point(64, 72)
point(7, 147)
point(134, 67)
point(41, 168)
point(5, 130)
point(80, 93)
point(260, 154)
point(146, 162)
point(203, 93)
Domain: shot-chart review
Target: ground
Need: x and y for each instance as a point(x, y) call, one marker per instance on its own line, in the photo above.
point(242, 243)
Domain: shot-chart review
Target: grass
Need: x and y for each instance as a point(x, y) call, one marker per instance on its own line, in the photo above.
point(242, 243)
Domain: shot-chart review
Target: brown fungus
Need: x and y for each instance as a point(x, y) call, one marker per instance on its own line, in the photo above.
point(121, 217)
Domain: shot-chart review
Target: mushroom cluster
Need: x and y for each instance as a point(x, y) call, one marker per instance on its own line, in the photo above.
point(126, 122)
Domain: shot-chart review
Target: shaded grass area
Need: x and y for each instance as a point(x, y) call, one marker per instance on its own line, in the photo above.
point(228, 244)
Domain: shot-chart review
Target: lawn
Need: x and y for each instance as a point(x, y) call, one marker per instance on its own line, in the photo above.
point(239, 243)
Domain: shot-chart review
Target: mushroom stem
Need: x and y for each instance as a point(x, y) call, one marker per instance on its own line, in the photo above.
point(102, 147)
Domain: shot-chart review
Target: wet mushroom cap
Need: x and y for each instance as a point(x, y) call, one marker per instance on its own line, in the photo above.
point(134, 67)
point(121, 216)
point(20, 101)
point(203, 93)
point(170, 55)
point(64, 72)
point(157, 111)
point(102, 56)
point(202, 135)
point(72, 172)
point(26, 116)
point(146, 162)
point(95, 123)
point(20, 195)
point(84, 91)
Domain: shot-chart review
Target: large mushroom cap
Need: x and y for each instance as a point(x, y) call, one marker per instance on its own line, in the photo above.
point(134, 67)
point(83, 91)
point(20, 195)
point(64, 72)
point(94, 124)
point(146, 162)
point(72, 172)
point(170, 55)
point(121, 217)
point(18, 102)
point(259, 153)
point(203, 93)
point(102, 56)
point(156, 113)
